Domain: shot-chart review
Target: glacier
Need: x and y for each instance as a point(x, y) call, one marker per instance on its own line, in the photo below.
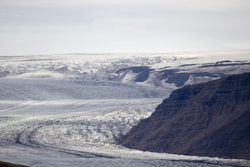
point(64, 110)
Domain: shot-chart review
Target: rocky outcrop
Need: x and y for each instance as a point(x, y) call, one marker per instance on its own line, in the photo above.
point(6, 164)
point(207, 119)
point(185, 74)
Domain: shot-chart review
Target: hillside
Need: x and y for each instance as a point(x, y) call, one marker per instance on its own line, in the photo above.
point(207, 119)
point(6, 164)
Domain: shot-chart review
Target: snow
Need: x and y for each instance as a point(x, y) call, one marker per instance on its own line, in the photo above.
point(199, 58)
point(51, 115)
point(58, 65)
point(75, 88)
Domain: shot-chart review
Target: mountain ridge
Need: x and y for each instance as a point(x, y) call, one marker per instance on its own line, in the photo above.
point(206, 119)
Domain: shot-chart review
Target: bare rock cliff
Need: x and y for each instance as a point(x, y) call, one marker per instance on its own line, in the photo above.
point(208, 119)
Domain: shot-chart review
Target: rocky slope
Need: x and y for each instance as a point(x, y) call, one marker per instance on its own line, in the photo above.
point(207, 119)
point(6, 164)
point(179, 76)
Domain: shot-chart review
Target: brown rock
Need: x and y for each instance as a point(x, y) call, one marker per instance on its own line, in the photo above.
point(208, 119)
point(6, 164)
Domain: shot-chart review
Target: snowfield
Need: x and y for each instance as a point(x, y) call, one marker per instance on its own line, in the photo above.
point(58, 65)
point(64, 110)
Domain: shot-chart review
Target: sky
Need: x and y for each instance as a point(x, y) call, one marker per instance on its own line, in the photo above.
point(94, 26)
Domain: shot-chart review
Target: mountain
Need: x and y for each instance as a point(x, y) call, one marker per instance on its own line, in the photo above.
point(207, 119)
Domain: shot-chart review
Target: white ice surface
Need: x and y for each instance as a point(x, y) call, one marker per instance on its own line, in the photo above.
point(58, 65)
point(205, 57)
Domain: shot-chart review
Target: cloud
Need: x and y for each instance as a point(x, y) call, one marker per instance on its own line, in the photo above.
point(119, 25)
point(191, 4)
point(188, 4)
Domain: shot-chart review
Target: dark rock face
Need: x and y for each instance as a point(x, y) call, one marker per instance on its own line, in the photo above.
point(142, 72)
point(6, 164)
point(185, 74)
point(207, 119)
